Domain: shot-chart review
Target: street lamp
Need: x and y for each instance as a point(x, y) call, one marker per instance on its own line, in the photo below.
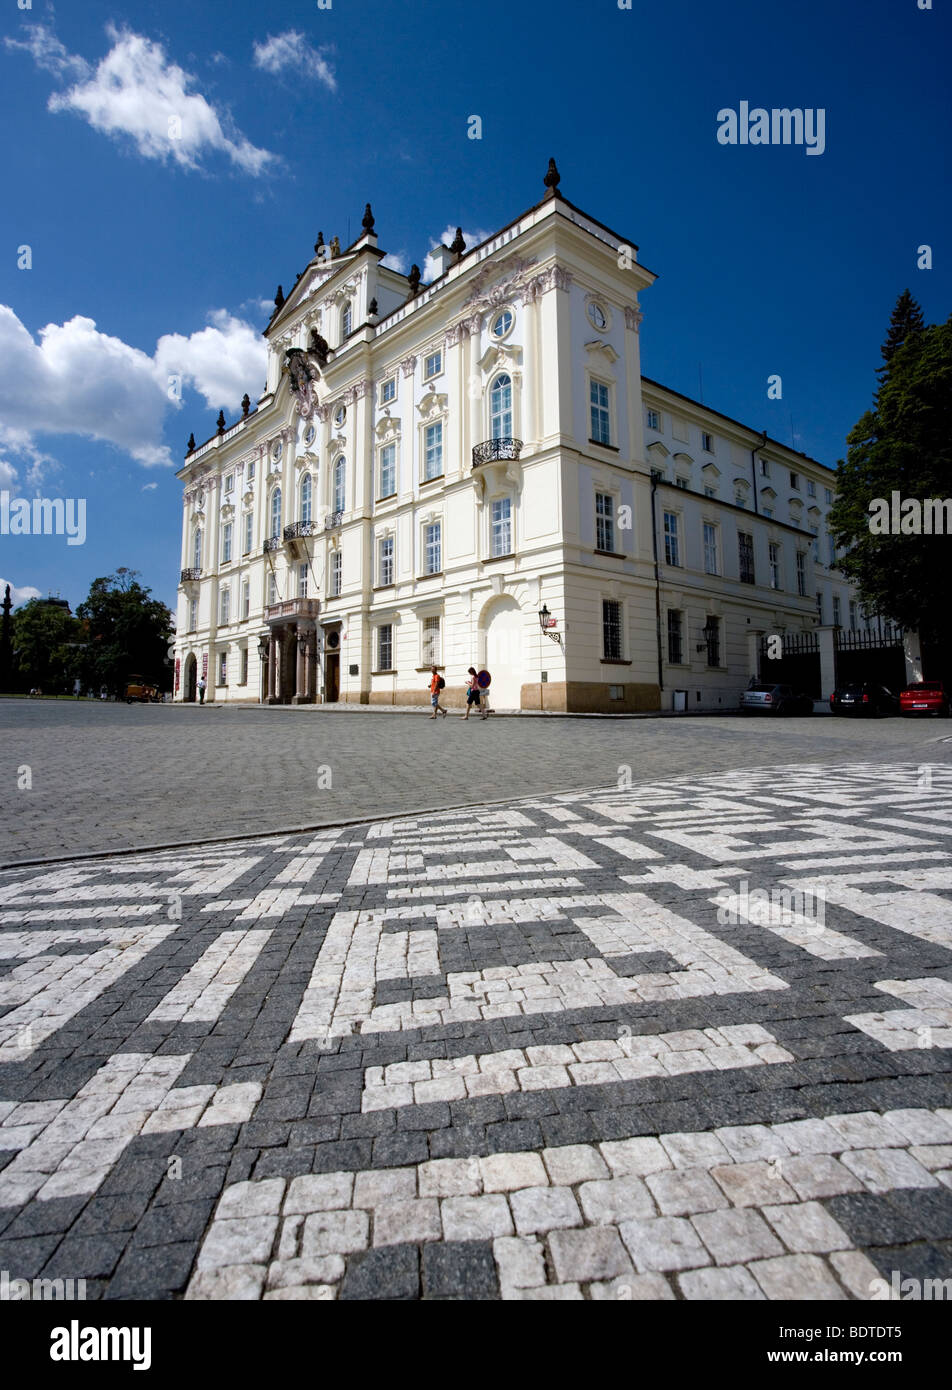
point(547, 622)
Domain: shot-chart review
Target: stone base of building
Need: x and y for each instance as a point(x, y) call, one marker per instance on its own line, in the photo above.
point(590, 697)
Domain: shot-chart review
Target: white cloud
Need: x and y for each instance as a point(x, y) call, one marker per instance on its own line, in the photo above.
point(291, 52)
point(8, 475)
point(79, 381)
point(18, 595)
point(398, 261)
point(136, 91)
point(48, 53)
point(150, 487)
point(222, 361)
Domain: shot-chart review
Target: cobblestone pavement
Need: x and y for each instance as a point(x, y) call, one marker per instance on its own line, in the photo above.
point(111, 776)
point(688, 1039)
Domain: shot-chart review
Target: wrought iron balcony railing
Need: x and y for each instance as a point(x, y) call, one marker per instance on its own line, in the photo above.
point(272, 543)
point(333, 520)
point(492, 450)
point(190, 574)
point(301, 528)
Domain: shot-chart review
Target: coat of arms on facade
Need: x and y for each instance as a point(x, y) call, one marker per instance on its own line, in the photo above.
point(303, 372)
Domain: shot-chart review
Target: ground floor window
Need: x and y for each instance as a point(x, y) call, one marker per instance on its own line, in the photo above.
point(222, 668)
point(244, 666)
point(385, 647)
point(431, 642)
point(712, 633)
point(611, 629)
point(675, 645)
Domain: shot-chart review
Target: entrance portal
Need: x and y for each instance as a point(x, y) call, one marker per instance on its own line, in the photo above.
point(191, 678)
point(504, 630)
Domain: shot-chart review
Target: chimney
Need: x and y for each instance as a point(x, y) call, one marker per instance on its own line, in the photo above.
point(442, 258)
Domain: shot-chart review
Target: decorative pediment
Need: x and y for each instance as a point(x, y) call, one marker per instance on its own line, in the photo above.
point(433, 403)
point(813, 511)
point(600, 349)
point(710, 470)
point(685, 460)
point(742, 485)
point(657, 451)
point(500, 355)
point(769, 493)
point(248, 496)
point(511, 273)
point(226, 510)
point(387, 427)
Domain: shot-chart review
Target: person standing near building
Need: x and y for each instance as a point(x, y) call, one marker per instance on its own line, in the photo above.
point(201, 690)
point(436, 685)
point(473, 694)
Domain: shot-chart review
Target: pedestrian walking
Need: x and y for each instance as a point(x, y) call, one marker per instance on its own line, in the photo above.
point(473, 694)
point(201, 690)
point(437, 683)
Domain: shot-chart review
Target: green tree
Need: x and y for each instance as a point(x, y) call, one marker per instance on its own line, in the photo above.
point(126, 632)
point(42, 654)
point(904, 445)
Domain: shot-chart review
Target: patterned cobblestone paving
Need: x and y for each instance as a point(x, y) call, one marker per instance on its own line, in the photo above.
point(685, 1040)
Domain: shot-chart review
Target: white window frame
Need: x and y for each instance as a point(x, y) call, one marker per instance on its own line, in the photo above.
point(429, 371)
point(388, 390)
point(224, 605)
point(335, 574)
point(227, 541)
point(653, 419)
point(385, 561)
point(302, 580)
point(775, 564)
point(604, 409)
point(380, 645)
point(431, 649)
point(245, 599)
point(274, 523)
point(386, 449)
point(500, 527)
point(248, 537)
point(505, 411)
point(432, 539)
point(433, 425)
point(340, 483)
point(672, 539)
point(306, 498)
point(712, 546)
point(605, 522)
point(707, 442)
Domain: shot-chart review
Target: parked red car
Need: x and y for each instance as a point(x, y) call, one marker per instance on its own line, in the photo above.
point(924, 697)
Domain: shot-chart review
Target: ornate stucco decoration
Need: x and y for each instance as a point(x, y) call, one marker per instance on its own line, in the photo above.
point(432, 405)
point(303, 373)
point(408, 364)
point(512, 273)
point(599, 348)
point(633, 317)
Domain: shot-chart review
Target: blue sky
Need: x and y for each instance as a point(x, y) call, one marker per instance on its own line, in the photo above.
point(154, 256)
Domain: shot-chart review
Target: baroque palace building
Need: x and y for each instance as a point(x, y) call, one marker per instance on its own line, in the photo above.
point(475, 472)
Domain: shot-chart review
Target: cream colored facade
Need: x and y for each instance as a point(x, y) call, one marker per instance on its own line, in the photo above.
point(344, 536)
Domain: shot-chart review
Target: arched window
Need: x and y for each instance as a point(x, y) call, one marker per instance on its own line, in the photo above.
point(346, 321)
point(500, 407)
point(197, 548)
point(276, 512)
point(340, 484)
point(306, 497)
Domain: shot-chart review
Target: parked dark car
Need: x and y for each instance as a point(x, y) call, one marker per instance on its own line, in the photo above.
point(863, 698)
point(767, 698)
point(925, 697)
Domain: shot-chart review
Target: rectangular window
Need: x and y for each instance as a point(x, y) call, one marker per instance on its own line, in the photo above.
point(431, 642)
point(710, 549)
point(433, 451)
point(246, 598)
point(657, 475)
point(272, 589)
point(432, 364)
point(224, 605)
point(675, 654)
point(764, 468)
point(795, 481)
point(852, 616)
point(249, 526)
point(819, 603)
point(251, 469)
point(433, 548)
point(710, 492)
point(500, 541)
point(388, 390)
point(672, 549)
point(385, 560)
point(611, 629)
point(244, 666)
point(745, 556)
point(226, 531)
point(388, 470)
point(192, 614)
point(223, 668)
point(768, 512)
point(712, 635)
point(604, 521)
point(707, 442)
point(837, 610)
point(230, 483)
point(653, 420)
point(601, 420)
point(682, 483)
point(773, 551)
point(801, 573)
point(831, 543)
point(302, 581)
point(811, 488)
point(815, 545)
point(740, 499)
point(828, 496)
point(385, 647)
point(337, 565)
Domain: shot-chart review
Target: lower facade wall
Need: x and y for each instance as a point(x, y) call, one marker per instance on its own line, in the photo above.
point(589, 697)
